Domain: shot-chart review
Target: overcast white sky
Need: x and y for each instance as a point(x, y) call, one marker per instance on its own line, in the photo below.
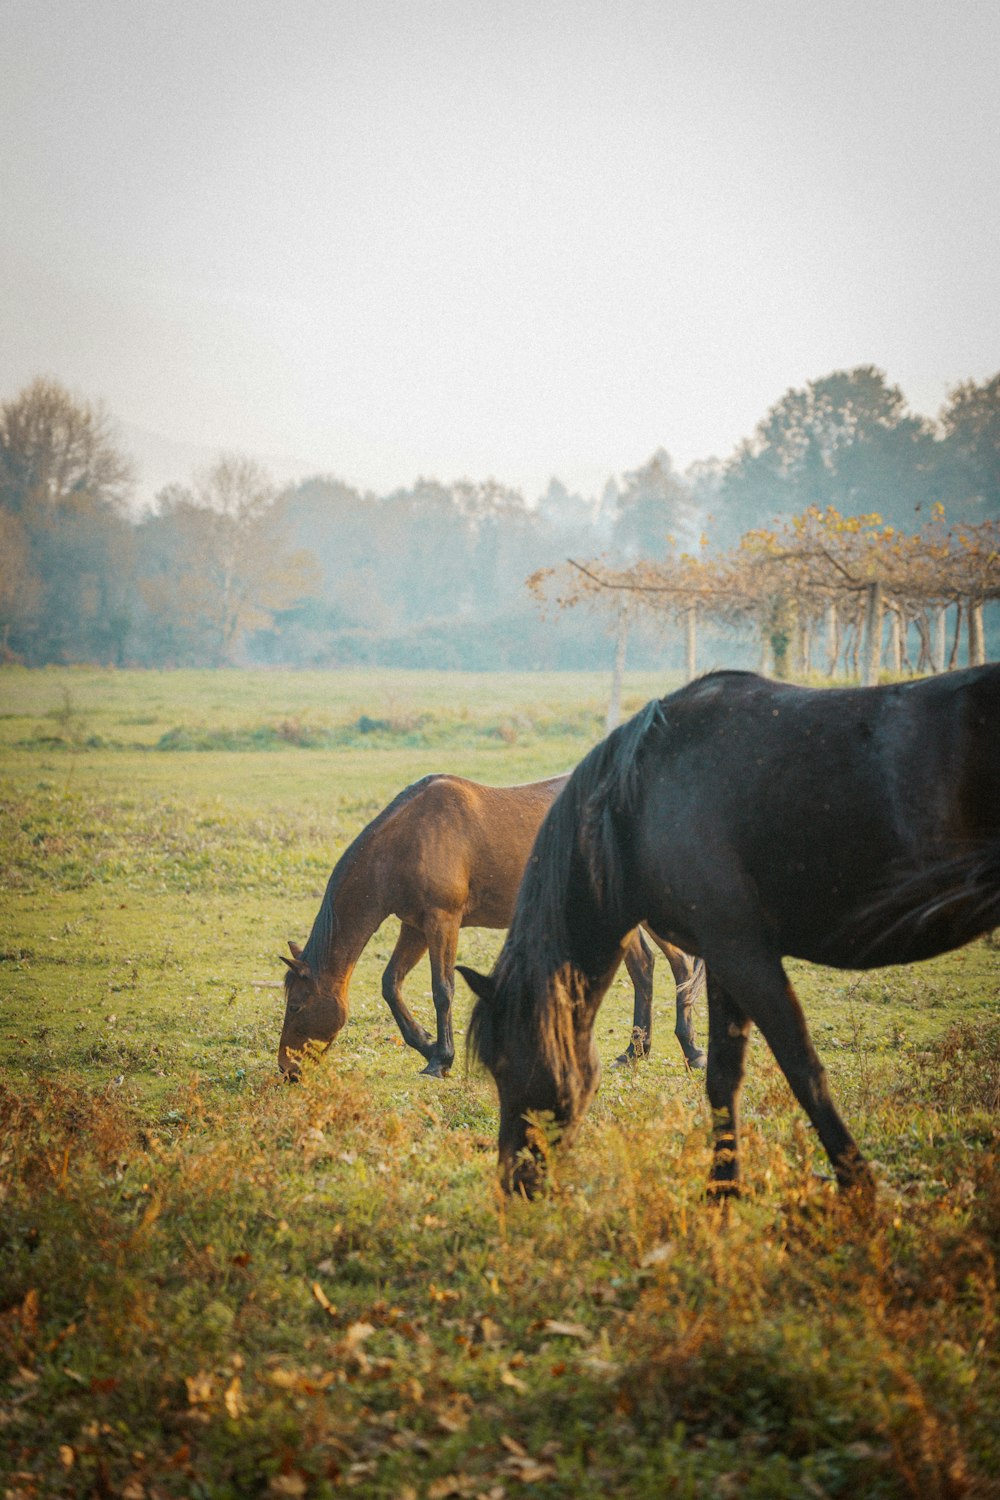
point(487, 238)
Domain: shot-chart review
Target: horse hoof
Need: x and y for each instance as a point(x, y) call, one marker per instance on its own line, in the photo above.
point(697, 1058)
point(434, 1070)
point(720, 1193)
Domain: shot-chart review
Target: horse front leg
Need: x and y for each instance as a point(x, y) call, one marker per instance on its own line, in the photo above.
point(411, 945)
point(689, 976)
point(639, 963)
point(728, 1034)
point(442, 943)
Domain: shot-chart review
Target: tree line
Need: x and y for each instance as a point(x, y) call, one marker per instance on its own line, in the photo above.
point(835, 505)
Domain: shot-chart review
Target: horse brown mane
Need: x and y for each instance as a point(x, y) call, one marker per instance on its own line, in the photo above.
point(324, 928)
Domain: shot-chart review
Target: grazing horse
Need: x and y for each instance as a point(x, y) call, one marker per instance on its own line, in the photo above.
point(747, 821)
point(446, 853)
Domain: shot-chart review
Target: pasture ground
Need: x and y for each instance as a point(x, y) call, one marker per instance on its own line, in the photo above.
point(215, 1286)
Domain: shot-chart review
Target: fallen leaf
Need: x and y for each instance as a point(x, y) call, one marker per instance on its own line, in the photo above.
point(566, 1330)
point(287, 1484)
point(29, 1313)
point(323, 1299)
point(235, 1404)
point(67, 1455)
point(507, 1378)
point(199, 1388)
point(441, 1489)
point(356, 1335)
point(528, 1472)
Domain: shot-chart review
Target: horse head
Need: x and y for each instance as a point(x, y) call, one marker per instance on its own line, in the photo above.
point(543, 1089)
point(313, 1014)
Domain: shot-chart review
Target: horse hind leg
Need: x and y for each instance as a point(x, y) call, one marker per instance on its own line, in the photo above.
point(442, 943)
point(767, 998)
point(411, 945)
point(689, 977)
point(639, 963)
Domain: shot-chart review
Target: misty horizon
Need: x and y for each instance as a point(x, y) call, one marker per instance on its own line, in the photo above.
point(456, 239)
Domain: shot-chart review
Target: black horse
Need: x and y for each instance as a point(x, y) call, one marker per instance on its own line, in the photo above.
point(747, 821)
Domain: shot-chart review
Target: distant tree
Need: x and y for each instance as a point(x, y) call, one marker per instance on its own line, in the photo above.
point(563, 511)
point(655, 511)
point(971, 423)
point(607, 508)
point(20, 587)
point(845, 441)
point(55, 448)
point(704, 484)
point(216, 564)
point(65, 483)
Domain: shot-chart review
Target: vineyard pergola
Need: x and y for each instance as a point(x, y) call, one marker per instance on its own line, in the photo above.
point(819, 572)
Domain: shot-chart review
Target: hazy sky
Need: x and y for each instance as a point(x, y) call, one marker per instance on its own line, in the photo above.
point(486, 238)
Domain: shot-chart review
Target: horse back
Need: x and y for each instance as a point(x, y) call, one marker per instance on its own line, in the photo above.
point(800, 808)
point(461, 846)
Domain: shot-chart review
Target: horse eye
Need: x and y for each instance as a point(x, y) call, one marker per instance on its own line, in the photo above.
point(295, 998)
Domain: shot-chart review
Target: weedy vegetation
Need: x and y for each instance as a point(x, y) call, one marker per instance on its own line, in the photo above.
point(213, 1285)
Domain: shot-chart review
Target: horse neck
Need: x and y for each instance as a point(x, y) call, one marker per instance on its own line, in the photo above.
point(351, 912)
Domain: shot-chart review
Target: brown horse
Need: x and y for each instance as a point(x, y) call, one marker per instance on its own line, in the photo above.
point(445, 853)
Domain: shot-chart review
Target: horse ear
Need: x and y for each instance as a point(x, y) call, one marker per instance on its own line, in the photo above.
point(481, 985)
point(294, 949)
point(297, 965)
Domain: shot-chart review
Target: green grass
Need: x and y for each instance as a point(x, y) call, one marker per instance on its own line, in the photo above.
point(215, 1286)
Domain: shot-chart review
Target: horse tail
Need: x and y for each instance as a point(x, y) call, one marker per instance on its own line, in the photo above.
point(942, 906)
point(695, 982)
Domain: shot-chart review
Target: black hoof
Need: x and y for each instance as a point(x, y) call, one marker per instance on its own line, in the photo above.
point(697, 1058)
point(435, 1069)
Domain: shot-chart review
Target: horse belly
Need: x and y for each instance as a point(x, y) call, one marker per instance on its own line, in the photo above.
point(491, 900)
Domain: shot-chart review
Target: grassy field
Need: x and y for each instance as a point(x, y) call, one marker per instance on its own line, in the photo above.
point(215, 1286)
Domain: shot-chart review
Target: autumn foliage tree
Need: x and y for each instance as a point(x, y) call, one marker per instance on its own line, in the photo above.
point(64, 485)
point(818, 573)
point(215, 563)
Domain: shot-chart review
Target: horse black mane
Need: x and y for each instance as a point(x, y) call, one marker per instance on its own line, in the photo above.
point(579, 830)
